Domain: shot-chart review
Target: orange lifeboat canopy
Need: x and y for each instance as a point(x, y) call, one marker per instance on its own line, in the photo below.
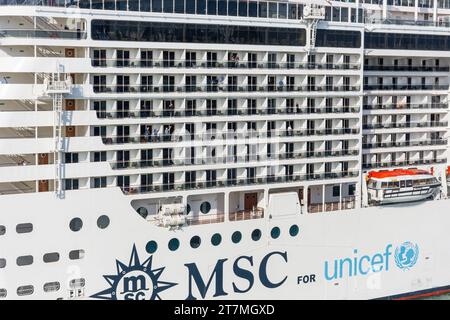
point(395, 173)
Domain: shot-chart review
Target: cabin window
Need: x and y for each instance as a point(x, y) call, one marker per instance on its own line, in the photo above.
point(25, 290)
point(409, 183)
point(336, 191)
point(384, 185)
point(51, 286)
point(351, 189)
point(24, 228)
point(76, 254)
point(402, 184)
point(51, 257)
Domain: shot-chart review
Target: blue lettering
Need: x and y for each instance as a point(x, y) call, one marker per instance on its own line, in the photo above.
point(377, 259)
point(387, 253)
point(244, 274)
point(341, 266)
point(263, 270)
point(352, 266)
point(194, 275)
point(334, 276)
point(360, 265)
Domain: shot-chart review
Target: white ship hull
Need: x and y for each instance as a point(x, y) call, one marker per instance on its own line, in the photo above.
point(323, 237)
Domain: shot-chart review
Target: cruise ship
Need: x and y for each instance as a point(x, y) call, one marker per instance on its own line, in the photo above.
point(224, 149)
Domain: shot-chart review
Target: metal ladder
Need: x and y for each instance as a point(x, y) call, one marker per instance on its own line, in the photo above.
point(58, 139)
point(57, 85)
point(313, 34)
point(312, 14)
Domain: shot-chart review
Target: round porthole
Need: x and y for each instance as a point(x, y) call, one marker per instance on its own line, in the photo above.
point(75, 224)
point(216, 239)
point(174, 244)
point(151, 246)
point(236, 237)
point(195, 242)
point(205, 207)
point(143, 212)
point(103, 222)
point(275, 233)
point(293, 230)
point(256, 235)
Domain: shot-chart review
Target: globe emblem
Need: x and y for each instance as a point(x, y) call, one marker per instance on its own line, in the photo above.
point(406, 255)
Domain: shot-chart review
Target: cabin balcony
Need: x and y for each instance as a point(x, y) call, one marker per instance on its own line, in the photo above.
point(332, 197)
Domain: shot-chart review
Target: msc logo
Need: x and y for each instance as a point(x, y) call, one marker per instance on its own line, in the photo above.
point(134, 282)
point(406, 255)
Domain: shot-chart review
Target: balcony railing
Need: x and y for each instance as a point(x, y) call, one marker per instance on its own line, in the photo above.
point(222, 183)
point(406, 68)
point(424, 124)
point(405, 87)
point(190, 64)
point(230, 159)
point(216, 88)
point(346, 204)
point(161, 138)
point(53, 34)
point(223, 112)
point(423, 23)
point(404, 144)
point(406, 106)
point(387, 164)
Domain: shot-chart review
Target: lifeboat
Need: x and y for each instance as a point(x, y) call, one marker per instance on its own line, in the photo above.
point(448, 180)
point(400, 185)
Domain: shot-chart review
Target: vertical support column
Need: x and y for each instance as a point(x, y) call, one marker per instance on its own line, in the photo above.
point(266, 199)
point(305, 198)
point(435, 11)
point(226, 206)
point(323, 198)
point(385, 9)
point(416, 10)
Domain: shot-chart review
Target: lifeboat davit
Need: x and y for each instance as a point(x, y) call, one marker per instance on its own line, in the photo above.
point(401, 185)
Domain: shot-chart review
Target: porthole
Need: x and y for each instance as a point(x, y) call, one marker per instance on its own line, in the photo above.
point(75, 224)
point(195, 242)
point(256, 235)
point(52, 286)
point(174, 244)
point(293, 230)
point(216, 239)
point(24, 260)
point(2, 263)
point(103, 222)
point(76, 254)
point(275, 233)
point(3, 293)
point(236, 237)
point(205, 207)
point(77, 283)
point(51, 257)
point(143, 212)
point(24, 228)
point(25, 290)
point(2, 230)
point(151, 246)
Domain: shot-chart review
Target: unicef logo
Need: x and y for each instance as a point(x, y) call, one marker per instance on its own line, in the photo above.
point(406, 255)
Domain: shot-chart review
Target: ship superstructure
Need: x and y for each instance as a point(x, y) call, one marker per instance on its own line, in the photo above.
point(207, 114)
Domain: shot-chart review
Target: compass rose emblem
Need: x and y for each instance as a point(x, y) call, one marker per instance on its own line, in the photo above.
point(135, 281)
